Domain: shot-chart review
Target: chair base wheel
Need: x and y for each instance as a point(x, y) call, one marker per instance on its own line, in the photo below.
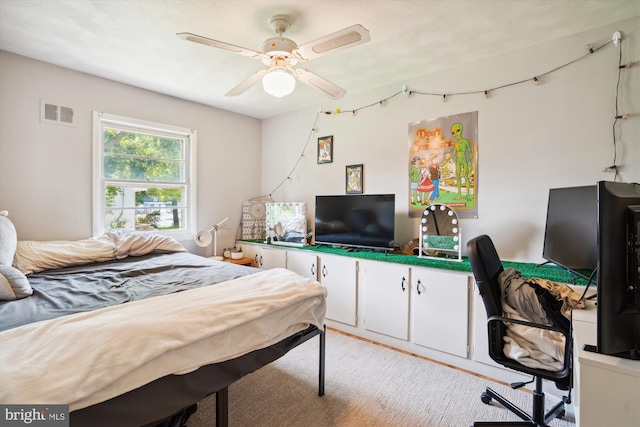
point(486, 399)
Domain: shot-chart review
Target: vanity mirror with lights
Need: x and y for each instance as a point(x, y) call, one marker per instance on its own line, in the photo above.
point(440, 234)
point(286, 223)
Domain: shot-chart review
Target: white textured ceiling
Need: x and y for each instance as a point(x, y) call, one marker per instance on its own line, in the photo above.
point(135, 42)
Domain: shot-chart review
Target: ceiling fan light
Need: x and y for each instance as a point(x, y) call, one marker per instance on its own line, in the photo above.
point(278, 83)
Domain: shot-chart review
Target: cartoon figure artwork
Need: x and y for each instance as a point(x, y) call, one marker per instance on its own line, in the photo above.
point(414, 177)
point(442, 166)
point(463, 153)
point(429, 144)
point(426, 185)
point(434, 174)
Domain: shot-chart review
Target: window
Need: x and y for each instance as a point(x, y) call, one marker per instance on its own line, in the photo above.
point(143, 176)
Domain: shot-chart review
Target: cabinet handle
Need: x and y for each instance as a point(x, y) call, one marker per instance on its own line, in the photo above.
point(260, 260)
point(255, 258)
point(418, 284)
point(402, 284)
point(313, 269)
point(324, 271)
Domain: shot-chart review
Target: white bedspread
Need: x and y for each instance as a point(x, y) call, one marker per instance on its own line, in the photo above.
point(86, 358)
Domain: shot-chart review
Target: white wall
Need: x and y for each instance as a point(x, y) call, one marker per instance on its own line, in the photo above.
point(45, 169)
point(530, 138)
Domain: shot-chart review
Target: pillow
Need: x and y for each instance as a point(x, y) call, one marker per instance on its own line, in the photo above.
point(32, 256)
point(8, 239)
point(136, 243)
point(13, 284)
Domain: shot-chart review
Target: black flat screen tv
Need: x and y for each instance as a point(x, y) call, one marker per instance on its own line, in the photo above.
point(357, 221)
point(618, 310)
point(571, 231)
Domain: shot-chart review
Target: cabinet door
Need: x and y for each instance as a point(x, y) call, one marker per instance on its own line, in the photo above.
point(264, 256)
point(271, 258)
point(305, 264)
point(250, 251)
point(339, 275)
point(386, 301)
point(441, 310)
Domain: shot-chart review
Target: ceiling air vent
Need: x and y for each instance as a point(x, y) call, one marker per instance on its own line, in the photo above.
point(57, 114)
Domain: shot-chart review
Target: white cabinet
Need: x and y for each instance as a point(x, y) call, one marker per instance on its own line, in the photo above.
point(386, 298)
point(431, 312)
point(250, 251)
point(339, 275)
point(271, 258)
point(608, 386)
point(441, 310)
point(265, 256)
point(303, 263)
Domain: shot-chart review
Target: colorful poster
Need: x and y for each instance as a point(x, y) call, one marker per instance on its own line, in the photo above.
point(443, 164)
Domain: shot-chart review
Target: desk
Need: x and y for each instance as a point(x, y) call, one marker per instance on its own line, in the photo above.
point(607, 388)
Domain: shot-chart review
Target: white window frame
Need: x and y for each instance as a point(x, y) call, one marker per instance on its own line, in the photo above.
point(101, 119)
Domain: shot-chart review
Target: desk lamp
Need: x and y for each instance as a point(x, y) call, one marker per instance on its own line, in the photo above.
point(203, 238)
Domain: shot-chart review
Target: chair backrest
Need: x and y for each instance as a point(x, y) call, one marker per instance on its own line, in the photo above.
point(486, 267)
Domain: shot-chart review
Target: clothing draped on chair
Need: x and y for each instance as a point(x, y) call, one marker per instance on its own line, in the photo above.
point(539, 301)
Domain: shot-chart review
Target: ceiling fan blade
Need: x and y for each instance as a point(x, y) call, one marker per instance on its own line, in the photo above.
point(324, 86)
point(220, 45)
point(351, 36)
point(247, 83)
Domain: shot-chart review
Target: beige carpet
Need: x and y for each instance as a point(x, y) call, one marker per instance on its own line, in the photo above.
point(366, 385)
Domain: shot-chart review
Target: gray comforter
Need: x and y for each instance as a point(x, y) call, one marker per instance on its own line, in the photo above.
point(93, 286)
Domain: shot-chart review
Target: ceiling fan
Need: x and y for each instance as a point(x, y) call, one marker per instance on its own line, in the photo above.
point(281, 54)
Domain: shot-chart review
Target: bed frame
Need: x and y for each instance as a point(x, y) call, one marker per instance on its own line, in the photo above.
point(165, 397)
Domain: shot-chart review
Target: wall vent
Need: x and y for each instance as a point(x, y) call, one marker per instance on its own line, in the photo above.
point(56, 114)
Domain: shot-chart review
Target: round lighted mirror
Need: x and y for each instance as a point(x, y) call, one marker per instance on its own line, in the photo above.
point(440, 233)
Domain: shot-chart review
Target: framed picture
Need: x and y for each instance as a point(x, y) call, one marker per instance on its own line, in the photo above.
point(354, 179)
point(325, 149)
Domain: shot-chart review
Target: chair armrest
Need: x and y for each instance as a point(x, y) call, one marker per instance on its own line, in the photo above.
point(568, 348)
point(527, 323)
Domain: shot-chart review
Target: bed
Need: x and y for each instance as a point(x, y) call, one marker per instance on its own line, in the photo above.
point(145, 329)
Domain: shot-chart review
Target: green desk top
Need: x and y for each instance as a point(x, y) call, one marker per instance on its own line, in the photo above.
point(548, 271)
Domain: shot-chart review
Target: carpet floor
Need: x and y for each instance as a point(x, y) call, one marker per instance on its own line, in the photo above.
point(366, 385)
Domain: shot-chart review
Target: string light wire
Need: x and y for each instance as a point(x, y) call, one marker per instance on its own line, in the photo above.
point(381, 103)
point(535, 78)
point(614, 165)
point(268, 197)
point(295, 166)
point(485, 92)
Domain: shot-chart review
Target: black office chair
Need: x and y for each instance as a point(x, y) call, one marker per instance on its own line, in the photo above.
point(486, 267)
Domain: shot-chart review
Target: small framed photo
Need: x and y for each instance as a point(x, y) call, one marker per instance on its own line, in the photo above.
point(325, 149)
point(354, 179)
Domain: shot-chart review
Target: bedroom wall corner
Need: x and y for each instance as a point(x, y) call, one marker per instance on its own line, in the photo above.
point(45, 169)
